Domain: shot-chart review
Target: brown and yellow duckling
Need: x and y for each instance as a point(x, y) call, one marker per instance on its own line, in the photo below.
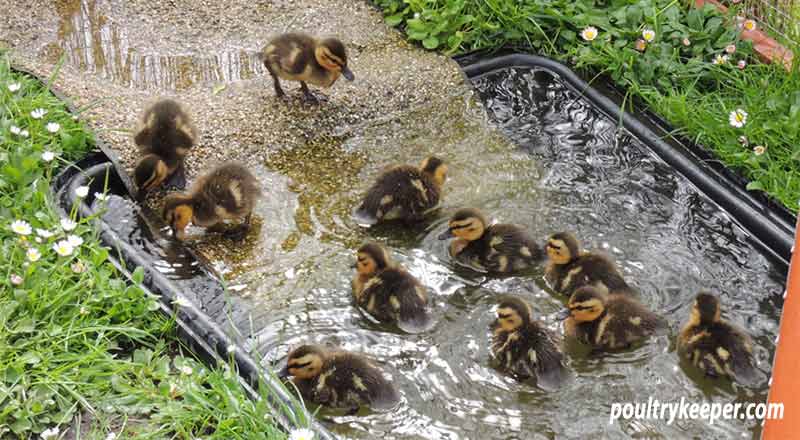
point(404, 193)
point(609, 321)
point(387, 292)
point(226, 193)
point(716, 347)
point(301, 57)
point(569, 267)
point(338, 379)
point(499, 248)
point(164, 137)
point(524, 347)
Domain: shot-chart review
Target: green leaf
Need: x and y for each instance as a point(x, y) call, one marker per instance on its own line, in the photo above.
point(394, 20)
point(138, 275)
point(431, 42)
point(755, 186)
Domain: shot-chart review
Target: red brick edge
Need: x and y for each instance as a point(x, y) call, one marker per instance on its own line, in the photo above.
point(768, 50)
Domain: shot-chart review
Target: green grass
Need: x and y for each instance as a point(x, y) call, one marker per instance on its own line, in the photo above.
point(80, 347)
point(677, 80)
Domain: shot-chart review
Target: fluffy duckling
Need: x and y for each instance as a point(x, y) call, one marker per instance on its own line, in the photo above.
point(609, 322)
point(404, 193)
point(228, 192)
point(569, 267)
point(301, 57)
point(338, 379)
point(500, 248)
point(164, 137)
point(716, 347)
point(524, 347)
point(387, 292)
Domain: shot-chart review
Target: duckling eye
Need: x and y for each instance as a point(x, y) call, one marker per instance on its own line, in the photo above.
point(300, 366)
point(503, 316)
point(553, 246)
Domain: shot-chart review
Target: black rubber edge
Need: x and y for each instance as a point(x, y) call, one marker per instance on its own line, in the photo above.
point(772, 229)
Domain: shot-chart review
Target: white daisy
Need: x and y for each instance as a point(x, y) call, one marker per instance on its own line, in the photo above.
point(78, 267)
point(301, 434)
point(749, 25)
point(67, 224)
point(63, 248)
point(649, 35)
point(100, 197)
point(74, 240)
point(38, 113)
point(24, 133)
point(15, 130)
point(44, 233)
point(720, 59)
point(13, 87)
point(738, 118)
point(50, 433)
point(15, 279)
point(33, 255)
point(731, 48)
point(741, 64)
point(21, 227)
point(589, 33)
point(48, 156)
point(53, 127)
point(82, 191)
point(758, 150)
point(686, 42)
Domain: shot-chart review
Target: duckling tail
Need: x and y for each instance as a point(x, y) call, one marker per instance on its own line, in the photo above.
point(364, 218)
point(415, 323)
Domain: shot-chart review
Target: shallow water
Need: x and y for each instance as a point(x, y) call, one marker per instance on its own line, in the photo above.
point(568, 168)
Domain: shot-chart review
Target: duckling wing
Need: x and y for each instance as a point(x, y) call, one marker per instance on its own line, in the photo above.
point(739, 361)
point(360, 377)
point(398, 296)
point(290, 53)
point(398, 194)
point(551, 370)
point(510, 248)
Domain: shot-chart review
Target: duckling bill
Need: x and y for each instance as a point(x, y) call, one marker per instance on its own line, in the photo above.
point(228, 192)
point(339, 379)
point(388, 292)
point(715, 346)
point(525, 348)
point(570, 268)
point(301, 57)
point(164, 137)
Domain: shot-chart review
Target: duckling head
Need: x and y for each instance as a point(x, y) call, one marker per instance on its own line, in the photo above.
point(466, 223)
point(705, 310)
point(436, 168)
point(178, 212)
point(304, 362)
point(150, 172)
point(371, 258)
point(332, 56)
point(513, 313)
point(586, 304)
point(562, 247)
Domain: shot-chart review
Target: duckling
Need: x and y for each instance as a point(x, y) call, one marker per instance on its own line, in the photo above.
point(716, 347)
point(404, 193)
point(570, 268)
point(164, 137)
point(301, 57)
point(526, 348)
point(338, 379)
point(389, 293)
point(609, 321)
point(500, 248)
point(228, 192)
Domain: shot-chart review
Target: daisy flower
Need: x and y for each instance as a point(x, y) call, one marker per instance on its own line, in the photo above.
point(21, 227)
point(74, 240)
point(741, 64)
point(48, 156)
point(640, 45)
point(15, 130)
point(720, 59)
point(101, 197)
point(686, 42)
point(731, 48)
point(67, 224)
point(44, 233)
point(82, 191)
point(743, 140)
point(758, 150)
point(83, 311)
point(737, 118)
point(38, 113)
point(749, 25)
point(13, 87)
point(63, 248)
point(589, 33)
point(24, 133)
point(53, 127)
point(33, 255)
point(15, 279)
point(301, 434)
point(47, 434)
point(78, 267)
point(649, 35)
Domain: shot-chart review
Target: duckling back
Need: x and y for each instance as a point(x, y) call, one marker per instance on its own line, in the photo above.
point(394, 295)
point(401, 193)
point(719, 349)
point(229, 191)
point(503, 248)
point(531, 351)
point(166, 131)
point(588, 269)
point(625, 321)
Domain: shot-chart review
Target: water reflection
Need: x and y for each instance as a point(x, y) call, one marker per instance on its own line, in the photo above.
point(116, 48)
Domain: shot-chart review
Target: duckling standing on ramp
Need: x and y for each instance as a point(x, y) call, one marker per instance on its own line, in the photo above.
point(164, 137)
point(569, 268)
point(228, 192)
point(404, 193)
point(301, 57)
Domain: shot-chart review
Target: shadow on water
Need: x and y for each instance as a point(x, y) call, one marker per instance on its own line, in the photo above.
point(99, 44)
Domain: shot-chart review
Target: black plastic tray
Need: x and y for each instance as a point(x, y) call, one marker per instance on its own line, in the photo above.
point(770, 226)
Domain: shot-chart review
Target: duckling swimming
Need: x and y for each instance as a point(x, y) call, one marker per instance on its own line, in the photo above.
point(500, 248)
point(301, 57)
point(164, 137)
point(404, 193)
point(524, 347)
point(609, 322)
point(716, 347)
point(228, 192)
point(338, 379)
point(387, 292)
point(570, 268)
